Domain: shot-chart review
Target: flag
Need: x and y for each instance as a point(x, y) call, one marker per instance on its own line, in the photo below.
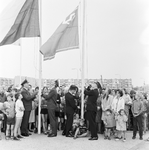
point(64, 38)
point(19, 19)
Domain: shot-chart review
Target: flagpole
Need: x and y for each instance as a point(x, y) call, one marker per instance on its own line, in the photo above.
point(82, 46)
point(40, 69)
point(20, 78)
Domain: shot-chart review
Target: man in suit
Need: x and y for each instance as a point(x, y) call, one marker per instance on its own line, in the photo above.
point(27, 102)
point(51, 99)
point(70, 109)
point(91, 108)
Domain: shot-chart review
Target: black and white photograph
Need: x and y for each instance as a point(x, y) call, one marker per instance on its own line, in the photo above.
point(74, 74)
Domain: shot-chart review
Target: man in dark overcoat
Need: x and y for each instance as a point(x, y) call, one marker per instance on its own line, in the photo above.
point(71, 107)
point(91, 109)
point(51, 99)
point(27, 102)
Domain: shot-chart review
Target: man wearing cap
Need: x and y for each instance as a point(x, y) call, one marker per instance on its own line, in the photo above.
point(91, 108)
point(51, 99)
point(27, 102)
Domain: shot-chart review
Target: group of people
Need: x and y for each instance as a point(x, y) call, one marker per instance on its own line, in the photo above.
point(118, 110)
point(106, 111)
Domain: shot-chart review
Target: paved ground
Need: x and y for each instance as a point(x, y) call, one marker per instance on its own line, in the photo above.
point(42, 142)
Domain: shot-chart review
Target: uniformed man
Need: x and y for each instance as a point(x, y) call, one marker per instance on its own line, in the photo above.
point(27, 102)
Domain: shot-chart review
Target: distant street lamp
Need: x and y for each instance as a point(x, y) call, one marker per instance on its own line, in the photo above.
point(143, 83)
point(119, 79)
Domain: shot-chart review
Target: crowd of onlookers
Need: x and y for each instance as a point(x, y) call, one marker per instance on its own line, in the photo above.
point(118, 110)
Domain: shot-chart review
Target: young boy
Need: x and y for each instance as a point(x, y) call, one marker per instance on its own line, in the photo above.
point(9, 110)
point(19, 109)
point(81, 130)
point(109, 123)
point(137, 111)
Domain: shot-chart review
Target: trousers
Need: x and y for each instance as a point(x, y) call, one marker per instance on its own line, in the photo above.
point(137, 125)
point(91, 116)
point(69, 123)
point(53, 120)
point(25, 121)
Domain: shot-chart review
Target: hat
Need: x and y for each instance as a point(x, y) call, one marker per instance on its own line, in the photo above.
point(24, 82)
point(9, 95)
point(132, 92)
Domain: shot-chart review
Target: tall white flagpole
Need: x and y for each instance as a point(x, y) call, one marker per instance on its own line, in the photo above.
point(40, 68)
point(82, 46)
point(20, 77)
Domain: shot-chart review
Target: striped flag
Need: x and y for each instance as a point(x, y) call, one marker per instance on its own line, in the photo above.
point(64, 38)
point(19, 19)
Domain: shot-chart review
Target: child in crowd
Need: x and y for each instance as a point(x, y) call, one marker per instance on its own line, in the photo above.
point(81, 130)
point(19, 108)
point(1, 118)
point(9, 110)
point(121, 124)
point(109, 123)
point(75, 124)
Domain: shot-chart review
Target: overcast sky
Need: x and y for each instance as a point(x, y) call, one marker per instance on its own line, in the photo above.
point(117, 42)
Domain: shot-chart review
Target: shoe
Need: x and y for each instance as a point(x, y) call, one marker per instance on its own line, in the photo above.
point(36, 131)
point(124, 140)
point(52, 135)
point(30, 130)
point(49, 134)
point(133, 137)
point(109, 138)
point(141, 138)
point(45, 133)
point(105, 137)
point(63, 133)
point(7, 138)
point(117, 139)
point(16, 139)
point(69, 135)
point(29, 134)
point(93, 138)
point(19, 136)
point(24, 134)
point(75, 137)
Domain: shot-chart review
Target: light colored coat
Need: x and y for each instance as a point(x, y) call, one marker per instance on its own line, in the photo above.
point(118, 104)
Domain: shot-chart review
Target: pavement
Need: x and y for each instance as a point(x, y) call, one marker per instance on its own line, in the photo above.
point(42, 142)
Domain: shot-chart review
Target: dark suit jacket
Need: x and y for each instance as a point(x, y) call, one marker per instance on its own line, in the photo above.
point(2, 97)
point(92, 99)
point(27, 99)
point(70, 103)
point(51, 99)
